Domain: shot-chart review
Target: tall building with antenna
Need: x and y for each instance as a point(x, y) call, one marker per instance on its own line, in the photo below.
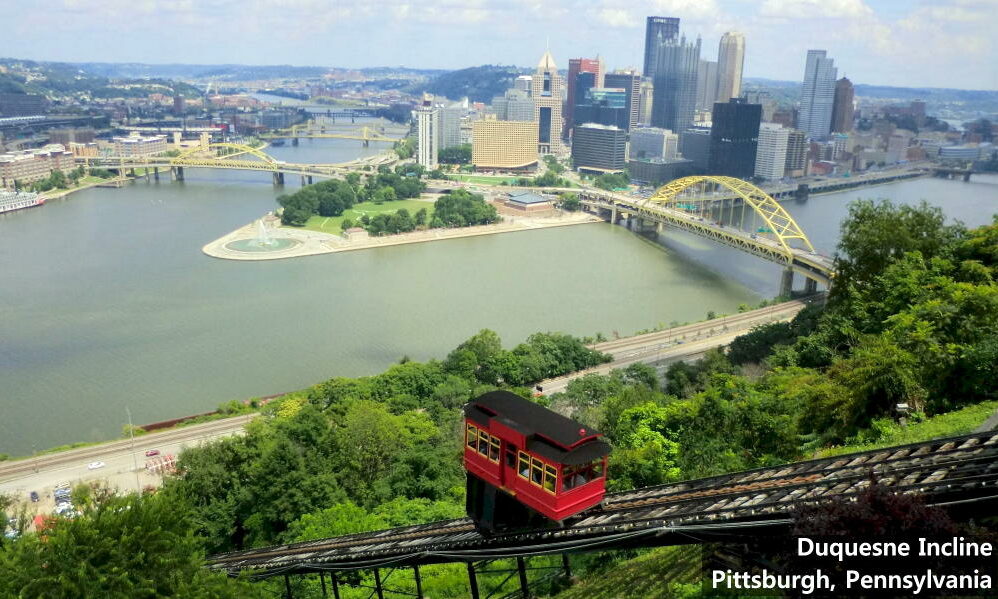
point(545, 89)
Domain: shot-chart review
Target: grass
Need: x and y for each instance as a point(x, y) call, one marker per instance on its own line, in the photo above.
point(331, 224)
point(950, 424)
point(656, 574)
point(481, 179)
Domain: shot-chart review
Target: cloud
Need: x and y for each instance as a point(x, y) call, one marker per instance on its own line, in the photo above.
point(816, 9)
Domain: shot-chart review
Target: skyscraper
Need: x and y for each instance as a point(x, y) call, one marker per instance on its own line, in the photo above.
point(514, 105)
point(675, 93)
point(817, 94)
point(842, 108)
point(427, 132)
point(657, 31)
point(545, 89)
point(604, 106)
point(734, 138)
point(576, 66)
point(449, 128)
point(646, 101)
point(630, 82)
point(599, 148)
point(730, 60)
point(797, 148)
point(706, 84)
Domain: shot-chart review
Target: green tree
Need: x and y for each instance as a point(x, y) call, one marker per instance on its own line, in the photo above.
point(570, 202)
point(875, 234)
point(455, 155)
point(119, 547)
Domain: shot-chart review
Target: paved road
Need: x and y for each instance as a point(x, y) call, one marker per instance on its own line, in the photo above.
point(45, 472)
point(687, 342)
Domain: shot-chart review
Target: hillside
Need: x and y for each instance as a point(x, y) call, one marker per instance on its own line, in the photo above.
point(479, 84)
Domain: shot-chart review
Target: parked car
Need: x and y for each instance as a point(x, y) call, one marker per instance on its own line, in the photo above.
point(34, 496)
point(152, 452)
point(95, 465)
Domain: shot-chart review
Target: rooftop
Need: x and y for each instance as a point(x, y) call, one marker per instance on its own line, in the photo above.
point(526, 197)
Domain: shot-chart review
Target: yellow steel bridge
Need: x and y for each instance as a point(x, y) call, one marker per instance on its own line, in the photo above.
point(728, 210)
point(313, 130)
point(222, 155)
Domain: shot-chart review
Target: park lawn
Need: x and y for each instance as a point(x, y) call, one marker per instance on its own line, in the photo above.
point(331, 224)
point(482, 179)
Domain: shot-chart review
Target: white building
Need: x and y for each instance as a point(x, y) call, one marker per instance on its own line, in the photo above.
point(136, 145)
point(427, 133)
point(771, 154)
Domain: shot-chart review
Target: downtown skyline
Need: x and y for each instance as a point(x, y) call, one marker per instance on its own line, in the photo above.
point(885, 42)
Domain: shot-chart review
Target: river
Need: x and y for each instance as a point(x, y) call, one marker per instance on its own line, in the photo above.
point(107, 302)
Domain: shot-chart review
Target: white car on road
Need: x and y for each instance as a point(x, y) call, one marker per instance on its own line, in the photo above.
point(95, 465)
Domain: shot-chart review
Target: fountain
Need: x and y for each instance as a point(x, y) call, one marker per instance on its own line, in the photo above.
point(262, 238)
point(263, 242)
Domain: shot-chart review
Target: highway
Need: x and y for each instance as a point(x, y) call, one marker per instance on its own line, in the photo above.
point(43, 473)
point(687, 342)
point(125, 466)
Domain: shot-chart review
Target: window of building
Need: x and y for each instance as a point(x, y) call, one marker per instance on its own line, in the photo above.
point(472, 436)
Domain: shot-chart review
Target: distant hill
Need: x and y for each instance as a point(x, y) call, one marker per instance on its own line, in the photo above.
point(937, 94)
point(479, 84)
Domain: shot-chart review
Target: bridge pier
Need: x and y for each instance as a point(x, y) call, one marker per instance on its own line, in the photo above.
point(177, 172)
point(659, 227)
point(155, 172)
point(810, 286)
point(294, 141)
point(613, 215)
point(966, 177)
point(787, 282)
point(803, 191)
point(278, 178)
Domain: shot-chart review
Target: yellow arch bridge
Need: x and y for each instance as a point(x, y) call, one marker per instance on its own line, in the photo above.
point(313, 130)
point(728, 210)
point(221, 155)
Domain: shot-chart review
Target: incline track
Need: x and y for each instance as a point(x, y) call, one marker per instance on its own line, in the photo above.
point(945, 471)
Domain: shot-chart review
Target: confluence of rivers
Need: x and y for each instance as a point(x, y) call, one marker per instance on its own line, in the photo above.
point(107, 302)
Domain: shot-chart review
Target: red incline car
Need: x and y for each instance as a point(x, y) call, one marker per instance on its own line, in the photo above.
point(523, 459)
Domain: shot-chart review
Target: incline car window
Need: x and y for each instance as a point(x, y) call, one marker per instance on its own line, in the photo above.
point(482, 442)
point(576, 476)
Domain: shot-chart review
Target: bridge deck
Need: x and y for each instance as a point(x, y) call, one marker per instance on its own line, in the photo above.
point(944, 471)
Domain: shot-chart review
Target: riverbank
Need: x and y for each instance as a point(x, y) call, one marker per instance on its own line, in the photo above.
point(312, 243)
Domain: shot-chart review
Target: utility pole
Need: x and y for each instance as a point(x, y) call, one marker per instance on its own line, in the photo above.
point(135, 463)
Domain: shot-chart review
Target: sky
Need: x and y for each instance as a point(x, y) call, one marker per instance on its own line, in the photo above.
point(909, 43)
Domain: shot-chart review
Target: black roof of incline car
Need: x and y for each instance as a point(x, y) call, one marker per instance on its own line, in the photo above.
point(550, 434)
